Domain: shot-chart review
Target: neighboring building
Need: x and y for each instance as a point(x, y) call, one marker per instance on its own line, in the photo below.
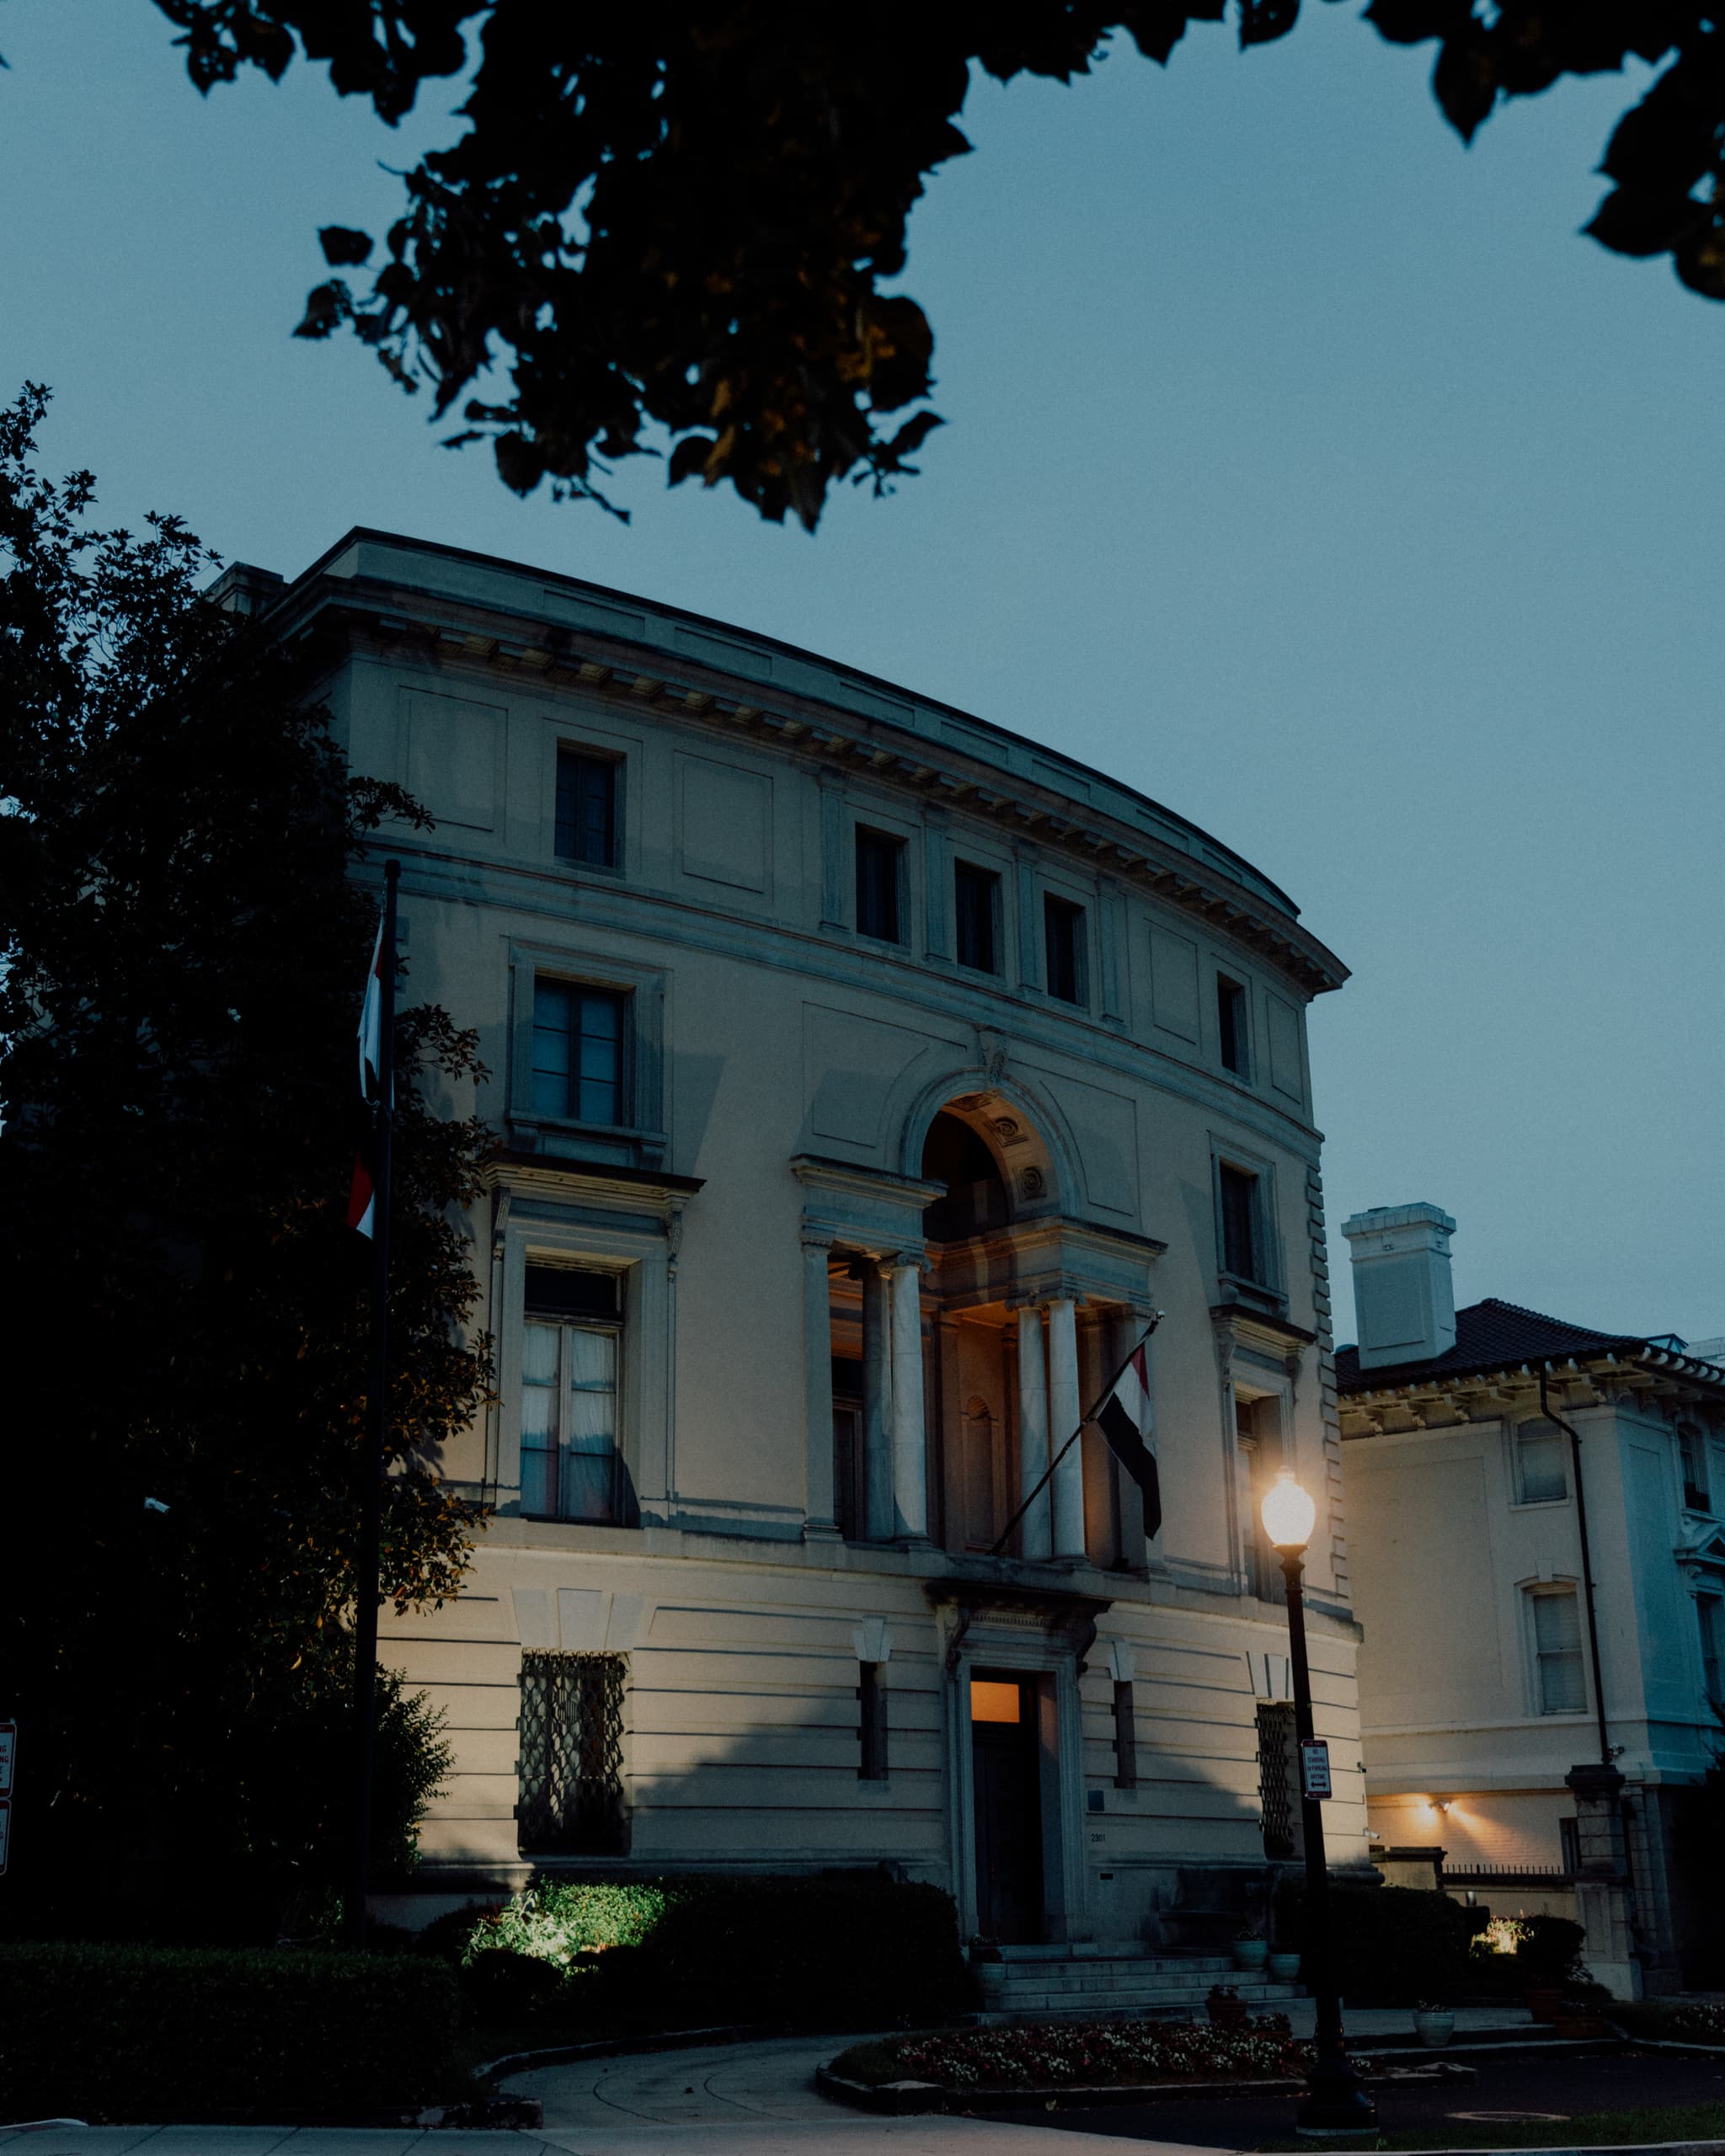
point(864, 1077)
point(1485, 1733)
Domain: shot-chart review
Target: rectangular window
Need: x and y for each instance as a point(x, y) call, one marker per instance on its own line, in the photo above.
point(976, 904)
point(586, 809)
point(1556, 1645)
point(1240, 1255)
point(871, 1692)
point(1692, 1453)
point(1063, 933)
point(1706, 1611)
point(1231, 1020)
point(1569, 1845)
point(571, 1468)
point(1125, 1737)
point(570, 1766)
point(879, 872)
point(1539, 1475)
point(577, 1052)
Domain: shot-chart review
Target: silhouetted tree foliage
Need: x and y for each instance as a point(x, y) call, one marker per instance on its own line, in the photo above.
point(679, 220)
point(182, 949)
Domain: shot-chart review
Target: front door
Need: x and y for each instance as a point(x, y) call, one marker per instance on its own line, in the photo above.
point(1005, 1779)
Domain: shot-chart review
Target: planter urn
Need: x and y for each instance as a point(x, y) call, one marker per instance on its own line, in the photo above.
point(1283, 1967)
point(1435, 2030)
point(1249, 1953)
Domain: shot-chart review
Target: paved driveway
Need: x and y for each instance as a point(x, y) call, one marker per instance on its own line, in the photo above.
point(754, 2099)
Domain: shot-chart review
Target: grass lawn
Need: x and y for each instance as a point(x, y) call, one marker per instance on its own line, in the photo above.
point(1590, 2130)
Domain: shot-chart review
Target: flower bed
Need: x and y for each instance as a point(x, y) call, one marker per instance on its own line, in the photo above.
point(1696, 2024)
point(1084, 2054)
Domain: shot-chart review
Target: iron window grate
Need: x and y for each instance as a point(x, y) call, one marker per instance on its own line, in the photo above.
point(1275, 1779)
point(571, 1753)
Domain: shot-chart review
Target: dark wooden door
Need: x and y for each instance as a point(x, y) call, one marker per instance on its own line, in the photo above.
point(1006, 1782)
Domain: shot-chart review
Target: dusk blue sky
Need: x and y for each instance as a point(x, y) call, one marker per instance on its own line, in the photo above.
point(1304, 470)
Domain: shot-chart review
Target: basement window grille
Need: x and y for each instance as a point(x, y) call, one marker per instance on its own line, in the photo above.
point(571, 1754)
point(1275, 1779)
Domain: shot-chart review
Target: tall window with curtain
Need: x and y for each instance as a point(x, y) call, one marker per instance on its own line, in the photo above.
point(571, 1465)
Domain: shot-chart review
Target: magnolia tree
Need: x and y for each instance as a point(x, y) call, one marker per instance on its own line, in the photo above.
point(183, 942)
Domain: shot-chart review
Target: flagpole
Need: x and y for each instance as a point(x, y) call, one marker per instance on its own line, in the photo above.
point(376, 1449)
point(1048, 1472)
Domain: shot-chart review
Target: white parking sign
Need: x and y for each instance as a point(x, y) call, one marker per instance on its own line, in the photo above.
point(1314, 1769)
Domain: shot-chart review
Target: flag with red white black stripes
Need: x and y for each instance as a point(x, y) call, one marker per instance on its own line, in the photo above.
point(1126, 1421)
point(362, 1193)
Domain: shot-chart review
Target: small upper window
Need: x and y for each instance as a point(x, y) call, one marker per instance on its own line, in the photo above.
point(1063, 928)
point(1241, 1255)
point(1541, 1478)
point(1231, 1020)
point(1556, 1646)
point(586, 809)
point(577, 1052)
point(976, 904)
point(1692, 1453)
point(879, 874)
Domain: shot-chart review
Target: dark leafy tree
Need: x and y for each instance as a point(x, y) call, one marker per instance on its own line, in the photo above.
point(182, 945)
point(677, 222)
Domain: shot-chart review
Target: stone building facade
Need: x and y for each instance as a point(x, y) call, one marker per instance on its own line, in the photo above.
point(1549, 1781)
point(865, 1077)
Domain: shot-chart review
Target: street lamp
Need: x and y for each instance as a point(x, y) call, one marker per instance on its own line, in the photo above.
point(1335, 2102)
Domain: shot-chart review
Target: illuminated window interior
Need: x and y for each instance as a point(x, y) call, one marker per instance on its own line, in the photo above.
point(993, 1700)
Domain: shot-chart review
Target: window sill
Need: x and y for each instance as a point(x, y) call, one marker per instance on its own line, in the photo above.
point(556, 1138)
point(1539, 1504)
point(1250, 1295)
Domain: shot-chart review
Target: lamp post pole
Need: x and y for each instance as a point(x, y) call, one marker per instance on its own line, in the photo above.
point(1335, 2102)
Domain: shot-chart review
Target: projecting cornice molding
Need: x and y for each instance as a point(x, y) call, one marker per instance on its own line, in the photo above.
point(1635, 1374)
point(885, 749)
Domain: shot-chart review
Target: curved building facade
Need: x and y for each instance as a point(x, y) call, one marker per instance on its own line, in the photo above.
point(866, 1078)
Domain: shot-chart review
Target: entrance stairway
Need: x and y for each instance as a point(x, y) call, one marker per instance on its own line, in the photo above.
point(1106, 1980)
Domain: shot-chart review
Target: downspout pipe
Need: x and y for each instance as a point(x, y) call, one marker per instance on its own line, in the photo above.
point(1551, 1415)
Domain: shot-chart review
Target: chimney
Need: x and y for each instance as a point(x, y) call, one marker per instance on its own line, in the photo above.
point(1404, 1304)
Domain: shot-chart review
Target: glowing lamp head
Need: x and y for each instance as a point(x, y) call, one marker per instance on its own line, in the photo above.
point(1288, 1514)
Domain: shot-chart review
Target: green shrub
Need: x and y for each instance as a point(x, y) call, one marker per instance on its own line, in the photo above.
point(1391, 1945)
point(141, 2033)
point(703, 1949)
point(1548, 1949)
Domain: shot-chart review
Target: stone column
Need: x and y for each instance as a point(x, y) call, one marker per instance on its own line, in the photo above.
point(1063, 1409)
point(877, 1403)
point(818, 1525)
point(910, 1436)
point(1602, 1880)
point(1033, 1433)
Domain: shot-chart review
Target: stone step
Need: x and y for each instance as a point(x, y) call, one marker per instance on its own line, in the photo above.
point(1091, 1976)
point(1187, 1998)
point(1040, 1957)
